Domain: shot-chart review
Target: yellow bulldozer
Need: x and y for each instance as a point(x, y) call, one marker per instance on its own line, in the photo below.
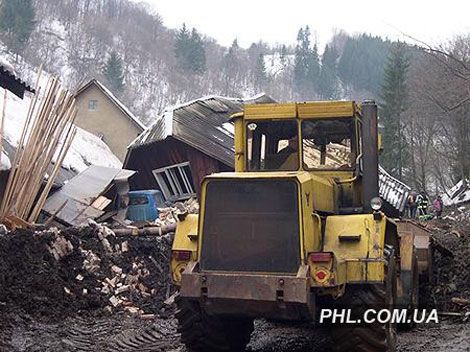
point(298, 226)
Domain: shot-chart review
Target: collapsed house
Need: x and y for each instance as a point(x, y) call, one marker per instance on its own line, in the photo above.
point(86, 148)
point(185, 144)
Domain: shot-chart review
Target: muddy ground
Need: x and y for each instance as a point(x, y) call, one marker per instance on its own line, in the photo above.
point(56, 295)
point(125, 333)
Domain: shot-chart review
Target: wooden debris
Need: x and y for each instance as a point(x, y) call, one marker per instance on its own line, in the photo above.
point(47, 136)
point(170, 300)
point(460, 301)
point(115, 301)
point(146, 231)
point(116, 269)
point(147, 316)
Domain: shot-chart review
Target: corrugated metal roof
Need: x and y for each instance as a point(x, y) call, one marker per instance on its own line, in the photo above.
point(202, 124)
point(75, 198)
point(392, 190)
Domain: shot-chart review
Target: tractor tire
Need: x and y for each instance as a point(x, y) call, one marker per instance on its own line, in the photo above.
point(375, 337)
point(201, 332)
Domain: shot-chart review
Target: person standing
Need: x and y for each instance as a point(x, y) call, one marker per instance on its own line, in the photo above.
point(438, 206)
point(423, 203)
point(412, 205)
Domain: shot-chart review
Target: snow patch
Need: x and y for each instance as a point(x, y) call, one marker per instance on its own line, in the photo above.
point(4, 162)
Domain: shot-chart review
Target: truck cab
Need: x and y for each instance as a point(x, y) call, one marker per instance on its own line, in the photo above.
point(143, 205)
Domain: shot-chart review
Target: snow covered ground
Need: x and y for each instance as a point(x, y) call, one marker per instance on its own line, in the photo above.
point(275, 64)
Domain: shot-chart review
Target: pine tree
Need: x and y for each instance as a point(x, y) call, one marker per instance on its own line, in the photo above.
point(197, 54)
point(182, 47)
point(114, 73)
point(189, 51)
point(306, 65)
point(328, 83)
point(17, 22)
point(260, 73)
point(232, 68)
point(283, 55)
point(393, 105)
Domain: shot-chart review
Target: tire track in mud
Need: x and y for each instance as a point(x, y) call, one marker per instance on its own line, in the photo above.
point(21, 333)
point(112, 336)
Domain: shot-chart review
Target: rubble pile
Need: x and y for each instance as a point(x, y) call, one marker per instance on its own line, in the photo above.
point(450, 288)
point(89, 268)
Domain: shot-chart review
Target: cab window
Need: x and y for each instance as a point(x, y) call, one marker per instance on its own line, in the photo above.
point(329, 144)
point(272, 145)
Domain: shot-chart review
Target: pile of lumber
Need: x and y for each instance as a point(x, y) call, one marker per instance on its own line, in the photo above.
point(46, 137)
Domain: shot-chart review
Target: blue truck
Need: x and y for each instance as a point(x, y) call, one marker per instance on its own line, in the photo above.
point(144, 204)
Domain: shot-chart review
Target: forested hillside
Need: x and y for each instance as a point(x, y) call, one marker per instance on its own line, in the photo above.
point(422, 92)
point(151, 66)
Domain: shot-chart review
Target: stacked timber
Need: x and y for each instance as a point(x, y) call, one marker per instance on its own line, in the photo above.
point(46, 137)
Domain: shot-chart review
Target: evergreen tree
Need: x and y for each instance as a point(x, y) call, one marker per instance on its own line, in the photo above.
point(306, 65)
point(17, 22)
point(189, 51)
point(362, 63)
point(260, 72)
point(182, 47)
point(114, 73)
point(197, 54)
point(283, 55)
point(231, 67)
point(392, 108)
point(328, 83)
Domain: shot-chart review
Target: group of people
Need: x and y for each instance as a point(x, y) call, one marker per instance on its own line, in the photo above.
point(417, 206)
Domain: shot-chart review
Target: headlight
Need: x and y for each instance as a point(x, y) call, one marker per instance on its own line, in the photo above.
point(376, 203)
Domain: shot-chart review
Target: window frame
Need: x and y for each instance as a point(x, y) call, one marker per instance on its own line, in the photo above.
point(354, 146)
point(95, 105)
point(247, 122)
point(177, 189)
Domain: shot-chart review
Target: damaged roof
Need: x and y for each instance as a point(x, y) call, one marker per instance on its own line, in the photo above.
point(9, 81)
point(202, 123)
point(78, 200)
point(114, 100)
point(392, 190)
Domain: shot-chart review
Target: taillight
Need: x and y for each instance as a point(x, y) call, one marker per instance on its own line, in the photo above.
point(322, 275)
point(181, 255)
point(321, 257)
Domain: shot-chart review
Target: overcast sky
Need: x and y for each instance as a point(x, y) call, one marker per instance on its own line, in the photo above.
point(278, 21)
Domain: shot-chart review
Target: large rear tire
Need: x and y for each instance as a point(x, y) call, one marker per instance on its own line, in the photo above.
point(375, 337)
point(201, 332)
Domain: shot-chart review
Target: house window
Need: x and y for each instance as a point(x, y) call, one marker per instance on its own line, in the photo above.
point(92, 105)
point(176, 181)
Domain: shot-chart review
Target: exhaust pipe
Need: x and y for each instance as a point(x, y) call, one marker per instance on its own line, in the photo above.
point(370, 155)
